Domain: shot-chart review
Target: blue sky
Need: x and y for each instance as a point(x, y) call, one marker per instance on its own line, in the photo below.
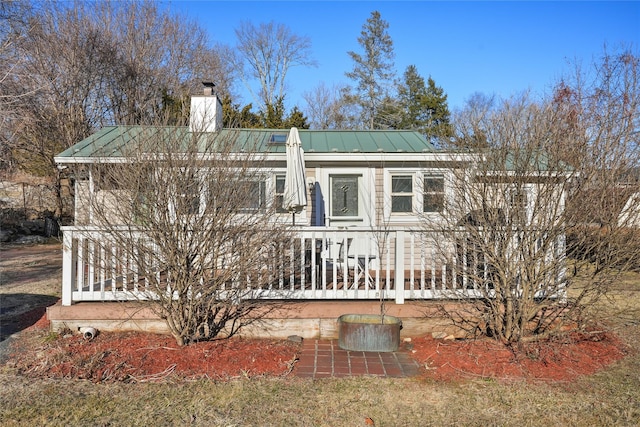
point(500, 48)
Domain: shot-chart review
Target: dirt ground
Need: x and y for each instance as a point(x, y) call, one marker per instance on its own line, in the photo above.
point(30, 281)
point(30, 278)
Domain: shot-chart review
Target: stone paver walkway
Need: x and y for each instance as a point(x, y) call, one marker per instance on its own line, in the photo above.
point(324, 359)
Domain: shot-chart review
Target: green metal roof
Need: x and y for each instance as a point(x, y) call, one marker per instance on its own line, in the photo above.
point(110, 141)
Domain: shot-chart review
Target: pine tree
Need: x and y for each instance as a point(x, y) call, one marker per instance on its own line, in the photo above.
point(296, 119)
point(373, 70)
point(438, 124)
point(412, 94)
point(424, 107)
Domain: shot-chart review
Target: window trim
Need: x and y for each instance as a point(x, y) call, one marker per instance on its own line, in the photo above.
point(268, 180)
point(278, 197)
point(524, 194)
point(418, 175)
point(425, 192)
point(262, 196)
point(270, 177)
point(411, 193)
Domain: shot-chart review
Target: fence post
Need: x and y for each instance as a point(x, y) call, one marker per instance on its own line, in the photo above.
point(67, 267)
point(399, 267)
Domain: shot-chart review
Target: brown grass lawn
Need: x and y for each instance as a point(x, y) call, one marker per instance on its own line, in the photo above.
point(609, 397)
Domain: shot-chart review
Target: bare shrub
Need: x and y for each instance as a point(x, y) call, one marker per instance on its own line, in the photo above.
point(540, 207)
point(188, 210)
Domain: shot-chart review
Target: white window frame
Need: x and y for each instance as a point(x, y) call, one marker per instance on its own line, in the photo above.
point(177, 193)
point(278, 196)
point(423, 191)
point(270, 176)
point(410, 194)
point(418, 175)
point(529, 193)
point(266, 176)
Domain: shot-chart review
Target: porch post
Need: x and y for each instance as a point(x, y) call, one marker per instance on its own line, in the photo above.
point(399, 267)
point(91, 194)
point(67, 267)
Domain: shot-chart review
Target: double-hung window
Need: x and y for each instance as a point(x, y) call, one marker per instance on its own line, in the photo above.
point(415, 192)
point(187, 194)
point(402, 193)
point(433, 193)
point(518, 203)
point(279, 193)
point(253, 195)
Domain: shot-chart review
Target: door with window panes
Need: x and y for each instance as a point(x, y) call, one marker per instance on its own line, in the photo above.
point(347, 201)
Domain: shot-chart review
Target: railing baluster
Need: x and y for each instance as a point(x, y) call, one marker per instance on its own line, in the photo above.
point(423, 264)
point(81, 265)
point(411, 264)
point(292, 267)
point(433, 259)
point(399, 282)
point(91, 262)
point(102, 267)
point(314, 251)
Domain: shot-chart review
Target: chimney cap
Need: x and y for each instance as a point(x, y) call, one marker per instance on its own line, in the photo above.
point(208, 88)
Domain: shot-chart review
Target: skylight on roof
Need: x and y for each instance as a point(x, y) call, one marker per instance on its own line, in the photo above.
point(278, 138)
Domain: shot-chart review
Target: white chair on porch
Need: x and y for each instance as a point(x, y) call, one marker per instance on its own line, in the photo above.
point(356, 265)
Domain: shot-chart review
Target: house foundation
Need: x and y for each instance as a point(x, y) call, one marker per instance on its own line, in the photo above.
point(310, 320)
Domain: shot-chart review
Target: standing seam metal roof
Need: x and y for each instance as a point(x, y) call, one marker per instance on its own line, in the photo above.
point(109, 141)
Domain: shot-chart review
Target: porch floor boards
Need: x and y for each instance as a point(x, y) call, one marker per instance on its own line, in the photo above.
point(325, 359)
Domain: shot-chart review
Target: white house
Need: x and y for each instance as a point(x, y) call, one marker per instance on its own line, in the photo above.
point(359, 185)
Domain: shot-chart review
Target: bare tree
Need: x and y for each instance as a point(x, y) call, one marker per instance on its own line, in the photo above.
point(155, 55)
point(327, 108)
point(187, 217)
point(471, 119)
point(266, 53)
point(13, 25)
point(84, 66)
point(540, 207)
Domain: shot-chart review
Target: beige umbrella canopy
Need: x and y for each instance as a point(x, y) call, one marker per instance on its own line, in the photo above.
point(295, 184)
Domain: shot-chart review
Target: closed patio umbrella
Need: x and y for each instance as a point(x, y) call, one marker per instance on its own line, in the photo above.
point(295, 183)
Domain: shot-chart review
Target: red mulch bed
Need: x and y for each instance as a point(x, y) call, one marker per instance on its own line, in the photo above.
point(145, 357)
point(560, 359)
point(140, 357)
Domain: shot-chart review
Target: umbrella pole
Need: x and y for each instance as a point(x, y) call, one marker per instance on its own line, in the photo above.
point(294, 218)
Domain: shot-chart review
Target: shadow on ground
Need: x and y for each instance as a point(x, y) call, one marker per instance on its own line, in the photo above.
point(19, 311)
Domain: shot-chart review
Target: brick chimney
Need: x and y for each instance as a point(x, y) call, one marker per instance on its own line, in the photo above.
point(206, 111)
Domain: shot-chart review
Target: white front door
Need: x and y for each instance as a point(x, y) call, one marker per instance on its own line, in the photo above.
point(349, 200)
point(348, 197)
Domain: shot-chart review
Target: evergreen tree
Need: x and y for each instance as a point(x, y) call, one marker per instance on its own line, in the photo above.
point(373, 69)
point(424, 107)
point(234, 117)
point(438, 124)
point(296, 119)
point(273, 116)
point(412, 94)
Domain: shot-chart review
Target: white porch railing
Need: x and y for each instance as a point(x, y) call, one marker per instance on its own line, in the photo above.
point(328, 263)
